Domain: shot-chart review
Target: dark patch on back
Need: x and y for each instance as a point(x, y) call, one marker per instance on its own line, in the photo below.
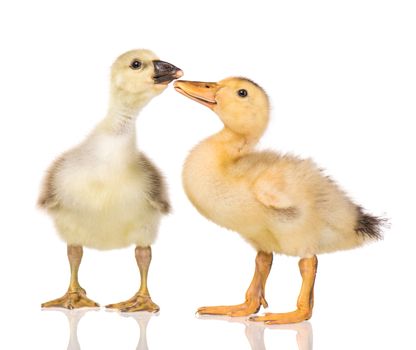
point(157, 189)
point(368, 225)
point(287, 214)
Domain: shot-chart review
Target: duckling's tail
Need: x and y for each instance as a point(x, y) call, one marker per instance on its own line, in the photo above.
point(370, 226)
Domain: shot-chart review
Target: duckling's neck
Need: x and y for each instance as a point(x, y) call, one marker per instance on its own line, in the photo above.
point(232, 145)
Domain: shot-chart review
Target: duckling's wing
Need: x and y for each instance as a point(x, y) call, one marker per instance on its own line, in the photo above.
point(270, 192)
point(156, 189)
point(271, 189)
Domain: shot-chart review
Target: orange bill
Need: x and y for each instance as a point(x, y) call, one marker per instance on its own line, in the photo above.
point(198, 91)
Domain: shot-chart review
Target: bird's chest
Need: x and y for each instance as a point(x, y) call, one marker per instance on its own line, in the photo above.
point(102, 175)
point(222, 199)
point(101, 188)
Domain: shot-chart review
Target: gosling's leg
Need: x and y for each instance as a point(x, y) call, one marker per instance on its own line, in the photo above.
point(76, 296)
point(255, 295)
point(307, 267)
point(141, 301)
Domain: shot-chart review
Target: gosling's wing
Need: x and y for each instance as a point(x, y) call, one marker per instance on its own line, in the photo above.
point(48, 197)
point(156, 189)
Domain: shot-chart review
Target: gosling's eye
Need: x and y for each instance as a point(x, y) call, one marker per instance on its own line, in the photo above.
point(136, 64)
point(242, 93)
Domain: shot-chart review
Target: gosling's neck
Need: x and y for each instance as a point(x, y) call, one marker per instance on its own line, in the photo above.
point(114, 139)
point(122, 113)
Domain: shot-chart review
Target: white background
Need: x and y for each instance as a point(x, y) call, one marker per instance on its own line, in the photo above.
point(342, 81)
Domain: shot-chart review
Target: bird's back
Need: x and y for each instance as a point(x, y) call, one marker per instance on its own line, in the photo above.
point(315, 215)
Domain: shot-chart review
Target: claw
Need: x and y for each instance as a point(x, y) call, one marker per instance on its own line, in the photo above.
point(264, 303)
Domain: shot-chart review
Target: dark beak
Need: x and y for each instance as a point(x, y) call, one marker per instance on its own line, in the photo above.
point(165, 72)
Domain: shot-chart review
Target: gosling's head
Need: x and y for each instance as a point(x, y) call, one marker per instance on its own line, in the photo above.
point(139, 75)
point(241, 104)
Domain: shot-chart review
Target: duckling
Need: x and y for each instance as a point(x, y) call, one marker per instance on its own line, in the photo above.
point(104, 193)
point(278, 203)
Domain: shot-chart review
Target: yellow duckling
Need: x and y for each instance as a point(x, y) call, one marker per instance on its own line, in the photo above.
point(278, 203)
point(104, 193)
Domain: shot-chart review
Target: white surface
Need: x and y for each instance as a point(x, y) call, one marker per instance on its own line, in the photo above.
point(341, 77)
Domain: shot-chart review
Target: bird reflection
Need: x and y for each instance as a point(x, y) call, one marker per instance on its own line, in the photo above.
point(75, 315)
point(255, 331)
point(142, 319)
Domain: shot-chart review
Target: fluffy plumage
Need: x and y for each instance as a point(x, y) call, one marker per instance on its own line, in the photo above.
point(104, 193)
point(105, 204)
point(278, 203)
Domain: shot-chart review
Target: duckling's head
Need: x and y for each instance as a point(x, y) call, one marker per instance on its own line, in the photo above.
point(241, 104)
point(138, 75)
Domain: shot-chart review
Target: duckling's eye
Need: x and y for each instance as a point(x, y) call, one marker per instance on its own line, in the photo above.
point(136, 64)
point(242, 93)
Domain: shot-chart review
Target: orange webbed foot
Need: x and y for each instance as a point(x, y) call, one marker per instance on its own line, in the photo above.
point(283, 318)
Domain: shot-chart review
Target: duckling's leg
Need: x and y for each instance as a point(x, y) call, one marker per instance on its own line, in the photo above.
point(76, 296)
point(254, 295)
point(141, 301)
point(307, 267)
